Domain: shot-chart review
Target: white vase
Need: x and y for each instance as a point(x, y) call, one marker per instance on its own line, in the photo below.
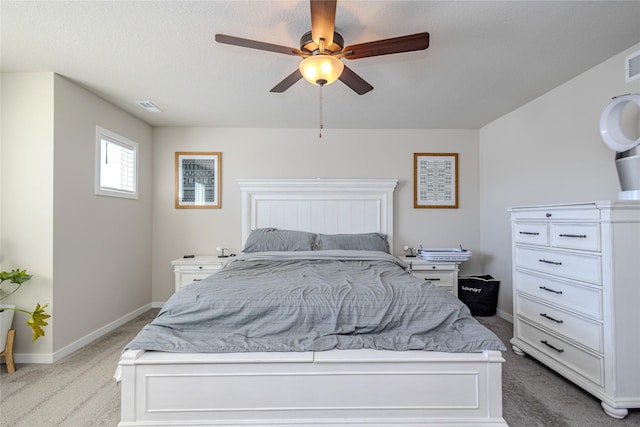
point(6, 320)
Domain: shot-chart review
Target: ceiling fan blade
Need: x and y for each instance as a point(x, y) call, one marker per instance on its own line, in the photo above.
point(323, 20)
point(354, 81)
point(287, 82)
point(408, 43)
point(254, 44)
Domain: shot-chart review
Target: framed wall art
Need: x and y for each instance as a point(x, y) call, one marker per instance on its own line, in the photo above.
point(198, 180)
point(435, 180)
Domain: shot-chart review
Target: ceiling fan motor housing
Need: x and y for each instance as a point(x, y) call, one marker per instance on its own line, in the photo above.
point(307, 44)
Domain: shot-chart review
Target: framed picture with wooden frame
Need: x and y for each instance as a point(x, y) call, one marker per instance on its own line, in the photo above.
point(435, 180)
point(198, 180)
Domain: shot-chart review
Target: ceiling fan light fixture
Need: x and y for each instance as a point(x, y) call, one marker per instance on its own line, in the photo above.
point(321, 69)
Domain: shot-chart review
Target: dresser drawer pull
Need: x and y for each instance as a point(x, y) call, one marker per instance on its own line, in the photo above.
point(559, 350)
point(578, 236)
point(196, 280)
point(530, 233)
point(200, 267)
point(549, 262)
point(432, 279)
point(550, 318)
point(544, 288)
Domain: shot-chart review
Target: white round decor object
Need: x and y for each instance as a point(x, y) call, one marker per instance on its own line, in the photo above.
point(218, 248)
point(610, 130)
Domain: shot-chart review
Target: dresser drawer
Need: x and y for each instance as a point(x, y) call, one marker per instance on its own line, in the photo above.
point(532, 233)
point(586, 332)
point(579, 211)
point(576, 236)
point(580, 299)
point(583, 267)
point(578, 360)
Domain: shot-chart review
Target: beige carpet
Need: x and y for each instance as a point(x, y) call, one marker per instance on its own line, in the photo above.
point(79, 390)
point(76, 391)
point(535, 396)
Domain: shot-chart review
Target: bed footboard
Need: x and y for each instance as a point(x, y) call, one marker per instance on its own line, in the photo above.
point(337, 387)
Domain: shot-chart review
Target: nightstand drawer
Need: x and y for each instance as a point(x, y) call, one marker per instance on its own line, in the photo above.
point(202, 267)
point(432, 266)
point(442, 279)
point(187, 277)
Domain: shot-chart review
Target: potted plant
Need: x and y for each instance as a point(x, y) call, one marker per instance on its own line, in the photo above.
point(37, 317)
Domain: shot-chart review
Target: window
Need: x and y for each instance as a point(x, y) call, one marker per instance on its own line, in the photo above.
point(116, 165)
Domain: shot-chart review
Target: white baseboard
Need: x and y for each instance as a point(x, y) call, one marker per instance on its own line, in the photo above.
point(54, 357)
point(504, 315)
point(157, 304)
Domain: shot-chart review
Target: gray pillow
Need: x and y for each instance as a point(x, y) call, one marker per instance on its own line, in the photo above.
point(273, 239)
point(362, 242)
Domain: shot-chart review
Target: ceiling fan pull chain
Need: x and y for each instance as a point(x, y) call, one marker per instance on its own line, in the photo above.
point(321, 125)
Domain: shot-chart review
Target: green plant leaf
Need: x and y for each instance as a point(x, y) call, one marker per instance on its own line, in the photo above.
point(37, 321)
point(38, 316)
point(15, 276)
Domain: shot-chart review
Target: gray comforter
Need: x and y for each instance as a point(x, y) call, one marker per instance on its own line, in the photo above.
point(312, 301)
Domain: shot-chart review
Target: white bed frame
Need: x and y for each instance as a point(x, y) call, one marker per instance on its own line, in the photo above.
point(329, 388)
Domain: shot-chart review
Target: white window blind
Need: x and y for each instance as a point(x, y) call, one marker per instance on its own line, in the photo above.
point(116, 171)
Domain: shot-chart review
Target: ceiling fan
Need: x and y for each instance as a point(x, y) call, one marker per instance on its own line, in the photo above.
point(322, 48)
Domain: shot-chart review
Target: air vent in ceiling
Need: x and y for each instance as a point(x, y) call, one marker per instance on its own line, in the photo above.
point(632, 66)
point(149, 106)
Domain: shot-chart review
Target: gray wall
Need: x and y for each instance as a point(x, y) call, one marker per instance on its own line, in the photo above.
point(90, 255)
point(548, 151)
point(101, 244)
point(298, 153)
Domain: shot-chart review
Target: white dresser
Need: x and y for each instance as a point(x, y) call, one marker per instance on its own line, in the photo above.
point(189, 270)
point(442, 274)
point(576, 291)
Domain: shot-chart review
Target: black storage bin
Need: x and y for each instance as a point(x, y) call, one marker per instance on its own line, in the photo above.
point(479, 293)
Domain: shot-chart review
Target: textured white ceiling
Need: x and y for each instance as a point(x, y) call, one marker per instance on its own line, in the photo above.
point(486, 57)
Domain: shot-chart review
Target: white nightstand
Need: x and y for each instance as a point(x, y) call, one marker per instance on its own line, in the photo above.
point(189, 270)
point(443, 274)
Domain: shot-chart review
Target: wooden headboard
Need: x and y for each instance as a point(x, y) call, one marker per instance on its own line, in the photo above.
point(330, 206)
